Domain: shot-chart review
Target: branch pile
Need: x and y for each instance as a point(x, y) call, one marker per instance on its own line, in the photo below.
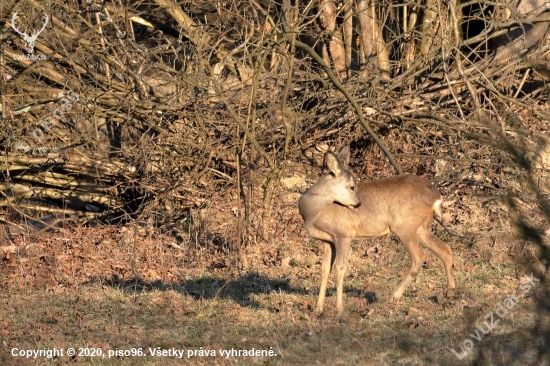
point(156, 108)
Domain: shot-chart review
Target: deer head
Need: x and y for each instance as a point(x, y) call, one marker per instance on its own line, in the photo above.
point(29, 40)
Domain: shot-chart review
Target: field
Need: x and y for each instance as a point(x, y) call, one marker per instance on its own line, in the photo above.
point(125, 292)
point(158, 150)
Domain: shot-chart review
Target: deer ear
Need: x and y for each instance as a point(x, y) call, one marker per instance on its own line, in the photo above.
point(343, 156)
point(333, 164)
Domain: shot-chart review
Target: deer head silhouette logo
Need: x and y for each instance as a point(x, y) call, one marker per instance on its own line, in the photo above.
point(29, 39)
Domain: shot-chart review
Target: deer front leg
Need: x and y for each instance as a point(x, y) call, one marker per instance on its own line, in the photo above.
point(326, 264)
point(343, 250)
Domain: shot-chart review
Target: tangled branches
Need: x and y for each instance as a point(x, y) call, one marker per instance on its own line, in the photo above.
point(181, 105)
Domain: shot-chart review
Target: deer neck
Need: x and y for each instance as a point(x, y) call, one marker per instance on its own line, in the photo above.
point(315, 199)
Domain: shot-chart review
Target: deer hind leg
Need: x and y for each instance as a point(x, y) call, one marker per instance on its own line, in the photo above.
point(418, 256)
point(326, 264)
point(442, 250)
point(343, 250)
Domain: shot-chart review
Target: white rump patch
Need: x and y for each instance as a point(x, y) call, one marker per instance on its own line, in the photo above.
point(437, 208)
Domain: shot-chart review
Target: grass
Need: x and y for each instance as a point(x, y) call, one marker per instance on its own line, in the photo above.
point(86, 300)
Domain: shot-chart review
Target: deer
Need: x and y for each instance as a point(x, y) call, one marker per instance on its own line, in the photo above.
point(338, 210)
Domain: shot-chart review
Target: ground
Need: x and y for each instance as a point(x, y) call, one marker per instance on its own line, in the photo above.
point(115, 289)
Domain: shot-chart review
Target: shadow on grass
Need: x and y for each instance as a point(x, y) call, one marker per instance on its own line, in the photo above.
point(238, 289)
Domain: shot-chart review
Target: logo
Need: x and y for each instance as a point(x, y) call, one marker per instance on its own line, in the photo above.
point(29, 40)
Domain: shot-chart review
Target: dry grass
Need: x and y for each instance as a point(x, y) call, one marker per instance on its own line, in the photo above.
point(98, 288)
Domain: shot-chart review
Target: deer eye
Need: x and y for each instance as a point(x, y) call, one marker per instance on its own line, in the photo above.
point(352, 188)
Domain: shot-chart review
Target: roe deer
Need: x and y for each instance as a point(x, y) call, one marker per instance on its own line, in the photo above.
point(337, 210)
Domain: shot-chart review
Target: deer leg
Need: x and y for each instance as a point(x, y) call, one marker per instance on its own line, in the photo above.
point(326, 264)
point(343, 250)
point(418, 256)
point(442, 250)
